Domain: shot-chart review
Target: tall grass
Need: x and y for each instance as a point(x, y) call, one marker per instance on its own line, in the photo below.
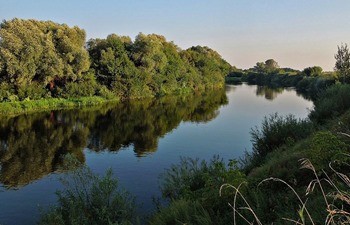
point(335, 192)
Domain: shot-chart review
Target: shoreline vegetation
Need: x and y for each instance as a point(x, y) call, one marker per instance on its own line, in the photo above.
point(41, 61)
point(9, 109)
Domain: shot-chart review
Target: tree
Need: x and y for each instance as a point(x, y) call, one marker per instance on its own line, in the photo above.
point(269, 66)
point(259, 67)
point(41, 52)
point(342, 64)
point(313, 71)
point(271, 63)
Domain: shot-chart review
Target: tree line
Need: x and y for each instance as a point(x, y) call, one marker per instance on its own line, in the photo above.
point(43, 59)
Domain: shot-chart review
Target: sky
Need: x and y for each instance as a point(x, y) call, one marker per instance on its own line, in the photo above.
point(296, 33)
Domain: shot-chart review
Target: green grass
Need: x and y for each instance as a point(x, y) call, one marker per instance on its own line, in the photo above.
point(22, 107)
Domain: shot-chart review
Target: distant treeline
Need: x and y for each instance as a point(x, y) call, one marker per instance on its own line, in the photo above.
point(310, 81)
point(43, 59)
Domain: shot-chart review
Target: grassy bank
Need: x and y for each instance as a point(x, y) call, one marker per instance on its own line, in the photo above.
point(30, 106)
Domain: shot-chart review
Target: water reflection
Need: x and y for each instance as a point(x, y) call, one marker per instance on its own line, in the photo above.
point(268, 92)
point(32, 146)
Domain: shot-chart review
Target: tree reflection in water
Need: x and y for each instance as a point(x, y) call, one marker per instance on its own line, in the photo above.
point(268, 92)
point(34, 145)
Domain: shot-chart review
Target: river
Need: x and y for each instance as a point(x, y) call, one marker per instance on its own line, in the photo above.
point(137, 139)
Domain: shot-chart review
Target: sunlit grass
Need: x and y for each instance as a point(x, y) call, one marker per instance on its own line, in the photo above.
point(21, 107)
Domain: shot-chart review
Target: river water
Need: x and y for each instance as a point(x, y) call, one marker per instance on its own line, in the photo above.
point(136, 139)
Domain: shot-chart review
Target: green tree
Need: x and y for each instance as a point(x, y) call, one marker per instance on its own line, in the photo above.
point(269, 66)
point(313, 71)
point(259, 67)
point(208, 64)
point(41, 52)
point(342, 64)
point(113, 66)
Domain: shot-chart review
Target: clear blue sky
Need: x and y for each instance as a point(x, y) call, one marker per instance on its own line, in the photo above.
point(296, 33)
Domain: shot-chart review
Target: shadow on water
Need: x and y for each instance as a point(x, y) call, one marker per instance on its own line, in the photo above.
point(32, 146)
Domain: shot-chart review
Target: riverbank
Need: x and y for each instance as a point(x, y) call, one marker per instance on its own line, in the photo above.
point(31, 106)
point(294, 170)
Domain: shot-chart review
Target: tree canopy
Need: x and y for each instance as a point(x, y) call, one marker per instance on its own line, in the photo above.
point(153, 66)
point(342, 64)
point(41, 51)
point(40, 59)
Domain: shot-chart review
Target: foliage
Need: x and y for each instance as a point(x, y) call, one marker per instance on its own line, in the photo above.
point(267, 67)
point(43, 59)
point(332, 103)
point(181, 212)
point(212, 68)
point(20, 107)
point(342, 64)
point(310, 82)
point(325, 147)
point(33, 91)
point(152, 66)
point(327, 200)
point(200, 181)
point(42, 52)
point(313, 71)
point(7, 92)
point(275, 131)
point(90, 199)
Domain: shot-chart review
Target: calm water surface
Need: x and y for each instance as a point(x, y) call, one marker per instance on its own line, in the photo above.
point(137, 139)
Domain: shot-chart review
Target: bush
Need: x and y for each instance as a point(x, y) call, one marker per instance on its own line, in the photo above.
point(181, 212)
point(325, 148)
point(89, 199)
point(332, 103)
point(275, 131)
point(200, 181)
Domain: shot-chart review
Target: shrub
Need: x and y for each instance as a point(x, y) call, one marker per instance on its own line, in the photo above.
point(200, 181)
point(275, 131)
point(325, 147)
point(332, 103)
point(304, 84)
point(89, 199)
